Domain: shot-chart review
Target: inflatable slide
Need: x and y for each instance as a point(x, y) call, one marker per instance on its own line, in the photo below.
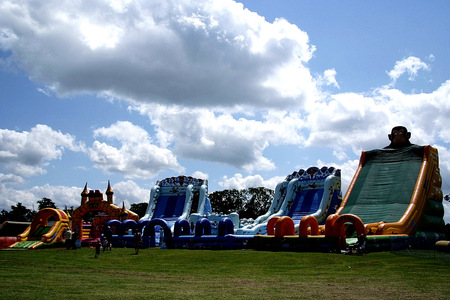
point(280, 195)
point(9, 232)
point(397, 191)
point(315, 192)
point(176, 198)
point(48, 226)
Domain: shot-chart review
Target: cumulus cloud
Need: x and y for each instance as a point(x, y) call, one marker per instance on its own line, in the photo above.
point(208, 53)
point(363, 121)
point(129, 192)
point(446, 212)
point(239, 182)
point(410, 65)
point(136, 157)
point(328, 78)
point(220, 137)
point(27, 153)
point(62, 196)
point(200, 174)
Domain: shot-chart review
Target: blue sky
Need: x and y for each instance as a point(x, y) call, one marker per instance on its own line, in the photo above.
point(240, 93)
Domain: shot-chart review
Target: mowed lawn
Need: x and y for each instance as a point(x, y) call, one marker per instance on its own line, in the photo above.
point(207, 274)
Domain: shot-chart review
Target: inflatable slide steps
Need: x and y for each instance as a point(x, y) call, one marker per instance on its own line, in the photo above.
point(27, 245)
point(85, 234)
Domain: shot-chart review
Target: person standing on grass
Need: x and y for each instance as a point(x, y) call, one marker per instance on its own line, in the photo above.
point(137, 241)
point(104, 242)
point(108, 236)
point(97, 248)
point(75, 238)
point(68, 237)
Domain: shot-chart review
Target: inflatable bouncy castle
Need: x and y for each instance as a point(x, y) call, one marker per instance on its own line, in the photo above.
point(89, 219)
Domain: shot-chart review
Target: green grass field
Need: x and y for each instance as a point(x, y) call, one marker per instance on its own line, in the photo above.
point(204, 274)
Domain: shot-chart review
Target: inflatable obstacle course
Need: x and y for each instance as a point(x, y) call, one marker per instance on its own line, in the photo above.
point(315, 192)
point(394, 200)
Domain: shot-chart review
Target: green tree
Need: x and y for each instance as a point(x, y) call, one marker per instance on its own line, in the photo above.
point(249, 203)
point(227, 201)
point(20, 213)
point(258, 201)
point(4, 216)
point(139, 208)
point(46, 203)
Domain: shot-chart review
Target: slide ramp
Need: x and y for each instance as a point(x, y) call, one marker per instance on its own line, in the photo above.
point(313, 191)
point(397, 191)
point(316, 192)
point(175, 198)
point(48, 226)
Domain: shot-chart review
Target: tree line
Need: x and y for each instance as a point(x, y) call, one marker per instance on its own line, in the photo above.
point(249, 203)
point(20, 213)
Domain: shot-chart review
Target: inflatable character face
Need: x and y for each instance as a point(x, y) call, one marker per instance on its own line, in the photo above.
point(399, 137)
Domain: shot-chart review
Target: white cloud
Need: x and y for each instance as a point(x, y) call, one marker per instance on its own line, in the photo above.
point(348, 170)
point(240, 182)
point(200, 175)
point(446, 212)
point(410, 65)
point(220, 137)
point(363, 121)
point(130, 192)
point(208, 53)
point(28, 153)
point(10, 179)
point(136, 157)
point(62, 196)
point(328, 78)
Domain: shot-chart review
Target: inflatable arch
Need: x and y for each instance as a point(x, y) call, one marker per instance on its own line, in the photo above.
point(284, 226)
point(202, 227)
point(338, 228)
point(182, 227)
point(271, 225)
point(148, 230)
point(308, 221)
point(226, 226)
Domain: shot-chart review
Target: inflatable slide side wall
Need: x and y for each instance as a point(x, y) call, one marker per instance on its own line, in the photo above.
point(280, 195)
point(397, 191)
